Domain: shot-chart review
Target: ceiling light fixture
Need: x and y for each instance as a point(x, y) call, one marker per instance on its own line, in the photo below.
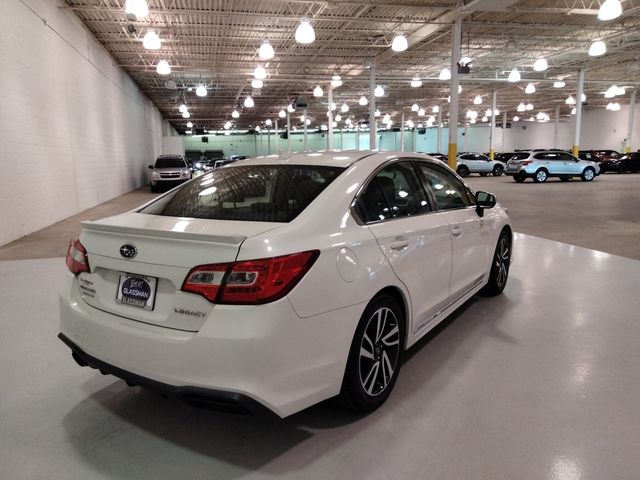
point(189, 125)
point(268, 122)
point(260, 73)
point(435, 109)
point(282, 114)
point(291, 108)
point(182, 108)
point(570, 100)
point(201, 91)
point(248, 102)
point(559, 84)
point(597, 48)
point(379, 91)
point(255, 83)
point(338, 118)
point(445, 74)
point(363, 101)
point(415, 107)
point(186, 114)
point(416, 82)
point(163, 68)
point(573, 111)
point(514, 75)
point(421, 112)
point(317, 92)
point(540, 65)
point(139, 8)
point(304, 32)
point(151, 40)
point(529, 107)
point(344, 108)
point(516, 118)
point(336, 81)
point(477, 100)
point(399, 43)
point(521, 107)
point(609, 10)
point(235, 114)
point(485, 119)
point(265, 52)
point(530, 88)
point(386, 118)
point(227, 125)
point(376, 113)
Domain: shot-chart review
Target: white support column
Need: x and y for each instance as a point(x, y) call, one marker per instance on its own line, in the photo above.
point(304, 141)
point(358, 136)
point(556, 126)
point(632, 108)
point(402, 131)
point(415, 138)
point(330, 120)
point(453, 86)
point(576, 138)
point(255, 144)
point(288, 131)
point(492, 131)
point(268, 142)
point(504, 128)
point(439, 139)
point(372, 107)
point(341, 138)
point(466, 133)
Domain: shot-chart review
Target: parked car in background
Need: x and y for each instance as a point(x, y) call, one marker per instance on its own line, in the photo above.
point(627, 163)
point(169, 171)
point(272, 283)
point(468, 163)
point(541, 165)
point(504, 157)
point(440, 156)
point(589, 155)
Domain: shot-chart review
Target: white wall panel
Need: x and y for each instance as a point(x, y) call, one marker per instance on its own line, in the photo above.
point(75, 130)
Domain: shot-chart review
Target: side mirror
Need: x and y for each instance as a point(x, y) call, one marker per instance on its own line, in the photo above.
point(150, 167)
point(484, 200)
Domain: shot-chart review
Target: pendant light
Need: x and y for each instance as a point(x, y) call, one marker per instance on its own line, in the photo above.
point(445, 74)
point(260, 73)
point(163, 68)
point(573, 111)
point(186, 114)
point(516, 118)
point(255, 83)
point(304, 32)
point(363, 101)
point(344, 108)
point(317, 92)
point(514, 76)
point(422, 112)
point(227, 125)
point(435, 109)
point(521, 107)
point(530, 88)
point(477, 100)
point(399, 43)
point(529, 107)
point(597, 48)
point(386, 118)
point(201, 91)
point(415, 107)
point(151, 40)
point(265, 52)
point(282, 114)
point(248, 102)
point(609, 10)
point(379, 91)
point(291, 108)
point(559, 84)
point(336, 81)
point(268, 122)
point(376, 113)
point(235, 114)
point(487, 113)
point(182, 108)
point(540, 65)
point(139, 8)
point(338, 118)
point(570, 100)
point(485, 119)
point(416, 82)
point(189, 124)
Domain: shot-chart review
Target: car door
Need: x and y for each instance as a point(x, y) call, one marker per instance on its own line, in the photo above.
point(412, 237)
point(570, 164)
point(485, 165)
point(469, 232)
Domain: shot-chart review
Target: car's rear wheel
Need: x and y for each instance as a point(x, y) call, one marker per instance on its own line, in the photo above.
point(463, 171)
point(498, 170)
point(541, 176)
point(588, 174)
point(499, 267)
point(375, 355)
point(483, 174)
point(518, 177)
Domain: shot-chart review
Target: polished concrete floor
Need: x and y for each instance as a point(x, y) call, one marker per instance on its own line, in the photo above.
point(539, 383)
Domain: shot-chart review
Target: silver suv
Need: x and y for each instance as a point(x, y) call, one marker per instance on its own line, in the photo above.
point(554, 163)
point(477, 163)
point(169, 171)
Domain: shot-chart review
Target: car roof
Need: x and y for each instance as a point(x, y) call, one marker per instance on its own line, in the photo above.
point(335, 158)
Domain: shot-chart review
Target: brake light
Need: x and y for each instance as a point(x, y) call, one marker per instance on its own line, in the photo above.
point(77, 260)
point(526, 162)
point(250, 282)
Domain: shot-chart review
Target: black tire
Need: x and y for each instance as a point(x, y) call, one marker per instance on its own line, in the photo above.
point(519, 178)
point(463, 171)
point(365, 387)
point(500, 263)
point(497, 170)
point(565, 179)
point(153, 189)
point(484, 174)
point(588, 174)
point(541, 176)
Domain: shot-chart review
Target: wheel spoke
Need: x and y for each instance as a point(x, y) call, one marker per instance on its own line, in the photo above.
point(371, 378)
point(365, 353)
point(387, 369)
point(395, 330)
point(382, 321)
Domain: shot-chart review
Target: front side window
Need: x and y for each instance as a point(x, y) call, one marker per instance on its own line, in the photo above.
point(450, 193)
point(257, 193)
point(394, 192)
point(567, 157)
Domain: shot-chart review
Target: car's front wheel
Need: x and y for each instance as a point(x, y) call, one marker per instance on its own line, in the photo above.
point(499, 267)
point(374, 358)
point(498, 170)
point(463, 170)
point(588, 174)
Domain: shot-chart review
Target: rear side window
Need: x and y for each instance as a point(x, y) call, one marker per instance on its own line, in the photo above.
point(170, 162)
point(257, 193)
point(394, 192)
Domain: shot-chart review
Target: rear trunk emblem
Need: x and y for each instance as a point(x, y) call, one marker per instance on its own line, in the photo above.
point(128, 251)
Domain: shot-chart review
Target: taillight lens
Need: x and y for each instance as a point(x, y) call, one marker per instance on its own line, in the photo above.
point(77, 260)
point(526, 162)
point(250, 282)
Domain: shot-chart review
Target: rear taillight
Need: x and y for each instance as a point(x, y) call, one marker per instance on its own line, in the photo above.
point(526, 162)
point(250, 282)
point(77, 260)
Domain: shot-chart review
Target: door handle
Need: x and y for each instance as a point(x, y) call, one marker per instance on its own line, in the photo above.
point(399, 244)
point(456, 231)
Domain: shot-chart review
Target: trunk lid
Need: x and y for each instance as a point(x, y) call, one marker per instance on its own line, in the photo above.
point(166, 249)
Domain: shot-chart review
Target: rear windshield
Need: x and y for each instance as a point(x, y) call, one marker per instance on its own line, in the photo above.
point(256, 193)
point(170, 162)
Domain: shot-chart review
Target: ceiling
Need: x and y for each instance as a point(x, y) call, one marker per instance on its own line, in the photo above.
point(215, 43)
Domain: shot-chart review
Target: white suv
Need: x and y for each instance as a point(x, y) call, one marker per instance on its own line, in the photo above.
point(169, 171)
point(553, 163)
point(477, 163)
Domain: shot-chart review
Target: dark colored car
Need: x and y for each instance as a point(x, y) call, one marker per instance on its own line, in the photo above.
point(626, 163)
point(589, 155)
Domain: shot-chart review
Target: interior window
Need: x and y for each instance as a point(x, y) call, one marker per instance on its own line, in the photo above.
point(395, 191)
point(450, 192)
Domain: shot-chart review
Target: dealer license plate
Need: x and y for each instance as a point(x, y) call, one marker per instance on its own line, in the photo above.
point(137, 291)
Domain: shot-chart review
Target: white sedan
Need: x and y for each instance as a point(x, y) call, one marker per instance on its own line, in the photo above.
point(281, 282)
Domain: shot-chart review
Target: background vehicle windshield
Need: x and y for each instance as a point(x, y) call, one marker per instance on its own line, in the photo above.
point(258, 193)
point(170, 162)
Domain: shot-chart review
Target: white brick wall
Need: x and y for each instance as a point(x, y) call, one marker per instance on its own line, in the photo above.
point(75, 131)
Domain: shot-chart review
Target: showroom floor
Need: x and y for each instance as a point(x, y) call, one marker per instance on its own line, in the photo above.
point(540, 382)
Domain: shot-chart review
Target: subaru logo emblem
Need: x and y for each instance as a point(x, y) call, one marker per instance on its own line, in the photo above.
point(128, 251)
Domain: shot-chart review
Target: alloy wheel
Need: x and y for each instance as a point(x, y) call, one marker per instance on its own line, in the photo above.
point(379, 351)
point(501, 260)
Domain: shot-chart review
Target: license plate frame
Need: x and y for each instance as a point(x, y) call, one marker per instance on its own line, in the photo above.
point(140, 290)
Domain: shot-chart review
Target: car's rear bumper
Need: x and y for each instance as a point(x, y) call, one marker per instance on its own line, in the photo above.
point(265, 353)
